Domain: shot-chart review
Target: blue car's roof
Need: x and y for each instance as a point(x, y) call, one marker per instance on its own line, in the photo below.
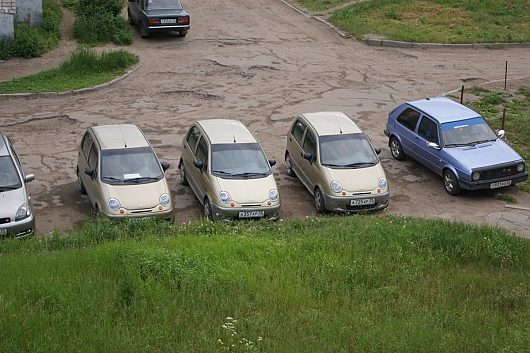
point(444, 109)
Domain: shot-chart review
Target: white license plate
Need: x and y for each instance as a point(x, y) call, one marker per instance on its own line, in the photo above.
point(3, 231)
point(168, 20)
point(500, 184)
point(362, 202)
point(251, 214)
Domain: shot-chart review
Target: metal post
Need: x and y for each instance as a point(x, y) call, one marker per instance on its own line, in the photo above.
point(505, 74)
point(462, 95)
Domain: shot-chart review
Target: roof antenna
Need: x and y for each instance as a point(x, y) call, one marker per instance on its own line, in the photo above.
point(233, 133)
point(123, 138)
point(337, 119)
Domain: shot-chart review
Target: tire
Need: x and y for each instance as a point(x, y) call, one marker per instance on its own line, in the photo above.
point(182, 34)
point(451, 183)
point(207, 210)
point(95, 212)
point(80, 186)
point(183, 177)
point(144, 32)
point(289, 165)
point(396, 150)
point(319, 201)
point(129, 18)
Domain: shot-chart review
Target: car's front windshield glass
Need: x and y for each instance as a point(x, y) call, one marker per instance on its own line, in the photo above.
point(9, 179)
point(130, 166)
point(347, 151)
point(466, 132)
point(239, 160)
point(163, 4)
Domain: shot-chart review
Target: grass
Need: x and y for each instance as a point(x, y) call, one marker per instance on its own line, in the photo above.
point(83, 69)
point(490, 104)
point(337, 284)
point(438, 21)
point(317, 5)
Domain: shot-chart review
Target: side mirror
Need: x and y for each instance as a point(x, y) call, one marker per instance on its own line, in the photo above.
point(377, 150)
point(29, 178)
point(308, 156)
point(164, 165)
point(501, 133)
point(198, 164)
point(433, 145)
point(89, 172)
point(272, 162)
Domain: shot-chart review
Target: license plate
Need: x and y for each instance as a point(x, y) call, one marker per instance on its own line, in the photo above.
point(3, 231)
point(168, 20)
point(500, 184)
point(251, 214)
point(362, 202)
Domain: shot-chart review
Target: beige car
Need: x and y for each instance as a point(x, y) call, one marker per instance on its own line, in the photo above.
point(228, 172)
point(336, 162)
point(120, 173)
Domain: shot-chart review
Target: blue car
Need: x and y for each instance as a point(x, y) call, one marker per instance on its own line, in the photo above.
point(456, 143)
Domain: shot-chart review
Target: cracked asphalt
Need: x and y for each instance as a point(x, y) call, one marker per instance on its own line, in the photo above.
point(262, 63)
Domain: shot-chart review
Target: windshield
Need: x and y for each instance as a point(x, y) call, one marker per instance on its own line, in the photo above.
point(239, 160)
point(347, 151)
point(467, 132)
point(130, 166)
point(9, 179)
point(163, 4)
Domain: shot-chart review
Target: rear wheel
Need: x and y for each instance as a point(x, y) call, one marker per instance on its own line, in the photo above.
point(396, 150)
point(289, 165)
point(451, 183)
point(319, 201)
point(182, 33)
point(144, 32)
point(129, 18)
point(207, 210)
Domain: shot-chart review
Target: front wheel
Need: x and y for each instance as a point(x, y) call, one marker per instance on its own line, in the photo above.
point(396, 150)
point(289, 165)
point(319, 201)
point(183, 177)
point(207, 210)
point(451, 183)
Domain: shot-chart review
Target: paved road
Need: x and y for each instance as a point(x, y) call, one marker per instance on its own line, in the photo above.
point(261, 62)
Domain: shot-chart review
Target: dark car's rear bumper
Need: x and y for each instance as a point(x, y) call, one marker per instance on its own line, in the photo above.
point(486, 184)
point(167, 28)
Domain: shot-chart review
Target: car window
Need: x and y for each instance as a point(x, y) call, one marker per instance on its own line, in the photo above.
point(310, 145)
point(239, 160)
point(428, 130)
point(86, 143)
point(93, 157)
point(298, 130)
point(163, 4)
point(409, 118)
point(193, 137)
point(9, 179)
point(15, 155)
point(467, 132)
point(130, 166)
point(202, 151)
point(347, 151)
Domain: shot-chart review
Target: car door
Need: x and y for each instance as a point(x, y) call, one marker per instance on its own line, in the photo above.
point(406, 129)
point(189, 147)
point(429, 156)
point(309, 167)
point(294, 144)
point(91, 181)
point(202, 175)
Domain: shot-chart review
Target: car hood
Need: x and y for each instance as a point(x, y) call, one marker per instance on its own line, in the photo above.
point(10, 201)
point(165, 13)
point(357, 180)
point(247, 191)
point(139, 196)
point(484, 155)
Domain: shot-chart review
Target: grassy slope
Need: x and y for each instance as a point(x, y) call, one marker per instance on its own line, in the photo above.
point(444, 21)
point(340, 284)
point(315, 5)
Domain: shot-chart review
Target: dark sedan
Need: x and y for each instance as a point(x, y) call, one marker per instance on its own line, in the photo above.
point(158, 15)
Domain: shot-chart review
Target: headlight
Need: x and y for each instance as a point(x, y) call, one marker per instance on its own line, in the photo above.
point(335, 186)
point(24, 211)
point(475, 176)
point(224, 197)
point(273, 195)
point(382, 183)
point(164, 200)
point(520, 167)
point(114, 204)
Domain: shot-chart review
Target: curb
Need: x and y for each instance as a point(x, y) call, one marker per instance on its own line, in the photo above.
point(401, 44)
point(73, 92)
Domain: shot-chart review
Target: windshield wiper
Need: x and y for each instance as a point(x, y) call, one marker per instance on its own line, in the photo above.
point(360, 165)
point(456, 144)
point(111, 178)
point(480, 141)
point(140, 179)
point(6, 188)
point(222, 172)
point(248, 174)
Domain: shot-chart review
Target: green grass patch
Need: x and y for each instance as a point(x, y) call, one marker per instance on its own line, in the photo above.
point(316, 5)
point(32, 41)
point(438, 21)
point(335, 284)
point(84, 68)
point(490, 104)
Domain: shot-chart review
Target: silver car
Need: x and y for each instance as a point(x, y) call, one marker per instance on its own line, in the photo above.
point(16, 213)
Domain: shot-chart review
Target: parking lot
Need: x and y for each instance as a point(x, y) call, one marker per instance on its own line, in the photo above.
point(262, 63)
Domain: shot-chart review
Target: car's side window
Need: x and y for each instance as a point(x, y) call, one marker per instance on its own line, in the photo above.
point(409, 118)
point(298, 130)
point(310, 144)
point(93, 157)
point(85, 145)
point(202, 152)
point(428, 130)
point(193, 137)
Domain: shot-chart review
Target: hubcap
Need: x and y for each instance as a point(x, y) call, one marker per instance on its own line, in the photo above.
point(448, 182)
point(395, 148)
point(318, 200)
point(182, 175)
point(288, 162)
point(206, 211)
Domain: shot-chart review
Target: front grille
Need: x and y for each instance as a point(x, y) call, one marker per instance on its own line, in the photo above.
point(499, 172)
point(251, 205)
point(141, 211)
point(5, 220)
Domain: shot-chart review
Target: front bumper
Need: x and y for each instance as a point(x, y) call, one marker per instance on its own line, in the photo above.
point(220, 213)
point(343, 203)
point(20, 229)
point(141, 214)
point(485, 184)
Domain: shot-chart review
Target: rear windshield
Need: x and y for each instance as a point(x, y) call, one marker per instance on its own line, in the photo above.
point(467, 132)
point(347, 151)
point(9, 178)
point(130, 166)
point(163, 4)
point(239, 161)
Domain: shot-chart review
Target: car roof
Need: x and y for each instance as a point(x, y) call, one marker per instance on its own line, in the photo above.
point(226, 131)
point(119, 136)
point(444, 109)
point(331, 123)
point(3, 145)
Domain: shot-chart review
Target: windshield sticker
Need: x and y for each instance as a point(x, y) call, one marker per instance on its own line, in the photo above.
point(462, 124)
point(131, 176)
